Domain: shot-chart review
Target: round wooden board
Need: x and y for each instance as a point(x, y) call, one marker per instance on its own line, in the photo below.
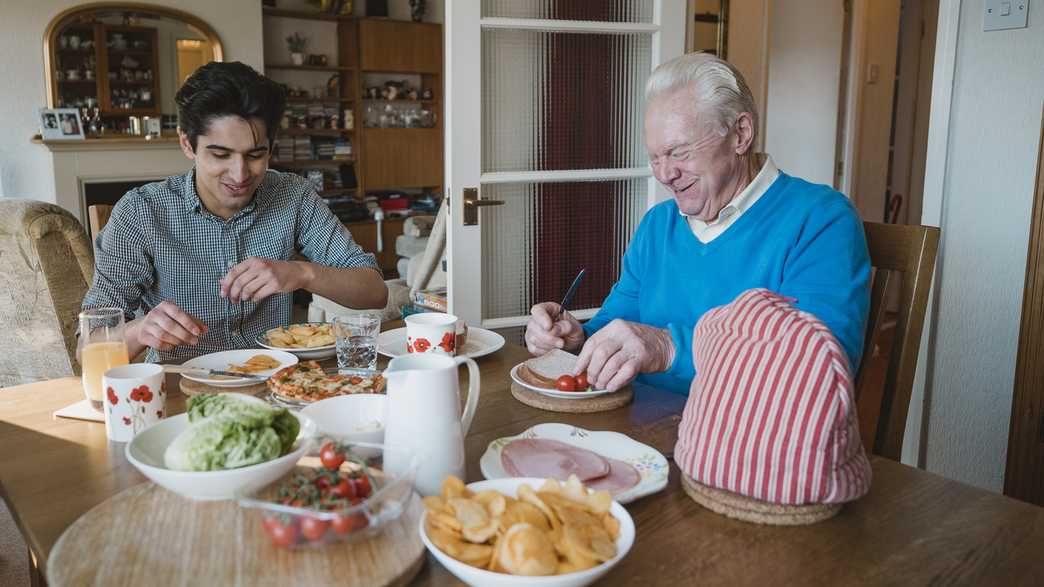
point(602, 403)
point(190, 388)
point(748, 509)
point(146, 535)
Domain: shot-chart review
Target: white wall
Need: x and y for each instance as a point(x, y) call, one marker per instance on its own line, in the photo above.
point(804, 78)
point(994, 134)
point(25, 168)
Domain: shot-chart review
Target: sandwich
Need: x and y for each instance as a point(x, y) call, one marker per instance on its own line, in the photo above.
point(553, 370)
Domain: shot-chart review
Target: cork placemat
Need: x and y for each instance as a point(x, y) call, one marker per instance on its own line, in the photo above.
point(190, 388)
point(146, 535)
point(602, 403)
point(744, 508)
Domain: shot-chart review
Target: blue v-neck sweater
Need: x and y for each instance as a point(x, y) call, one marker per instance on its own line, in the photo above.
point(801, 240)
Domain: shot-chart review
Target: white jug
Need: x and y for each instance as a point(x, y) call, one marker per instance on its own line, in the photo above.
point(423, 416)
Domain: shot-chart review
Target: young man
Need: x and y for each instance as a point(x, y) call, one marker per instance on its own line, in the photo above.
point(209, 256)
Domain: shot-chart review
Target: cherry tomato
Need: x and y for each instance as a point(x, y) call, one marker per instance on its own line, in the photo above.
point(581, 382)
point(349, 523)
point(329, 456)
point(344, 488)
point(313, 528)
point(283, 534)
point(362, 486)
point(566, 383)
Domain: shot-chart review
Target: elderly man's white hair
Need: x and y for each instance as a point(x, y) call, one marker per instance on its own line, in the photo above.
point(718, 88)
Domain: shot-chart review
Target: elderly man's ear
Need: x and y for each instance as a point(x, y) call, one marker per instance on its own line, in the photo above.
point(744, 135)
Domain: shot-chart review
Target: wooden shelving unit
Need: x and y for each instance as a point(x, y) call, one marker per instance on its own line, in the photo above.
point(114, 96)
point(383, 158)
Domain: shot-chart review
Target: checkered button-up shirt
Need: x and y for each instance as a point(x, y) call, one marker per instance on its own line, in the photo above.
point(161, 244)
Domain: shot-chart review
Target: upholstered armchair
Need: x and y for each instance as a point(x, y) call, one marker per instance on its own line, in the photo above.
point(46, 267)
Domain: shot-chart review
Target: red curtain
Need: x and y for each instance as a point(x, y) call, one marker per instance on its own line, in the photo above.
point(577, 222)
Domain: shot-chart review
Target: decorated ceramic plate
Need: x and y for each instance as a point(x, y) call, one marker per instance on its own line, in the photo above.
point(480, 342)
point(577, 395)
point(651, 466)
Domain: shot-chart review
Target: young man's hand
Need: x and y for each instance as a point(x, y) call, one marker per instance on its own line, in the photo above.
point(255, 279)
point(166, 326)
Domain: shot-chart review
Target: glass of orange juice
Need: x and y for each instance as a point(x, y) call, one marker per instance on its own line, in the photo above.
point(101, 347)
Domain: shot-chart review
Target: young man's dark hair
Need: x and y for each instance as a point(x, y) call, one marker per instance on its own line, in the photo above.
point(228, 88)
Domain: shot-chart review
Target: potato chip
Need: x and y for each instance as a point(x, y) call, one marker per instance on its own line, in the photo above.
point(454, 487)
point(476, 555)
point(527, 550)
point(493, 501)
point(519, 512)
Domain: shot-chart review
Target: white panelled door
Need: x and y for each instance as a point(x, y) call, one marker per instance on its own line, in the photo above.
point(544, 102)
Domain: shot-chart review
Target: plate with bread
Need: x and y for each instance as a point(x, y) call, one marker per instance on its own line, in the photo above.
point(551, 374)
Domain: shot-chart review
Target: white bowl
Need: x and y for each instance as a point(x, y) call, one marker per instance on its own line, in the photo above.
point(145, 451)
point(342, 417)
point(476, 576)
point(312, 353)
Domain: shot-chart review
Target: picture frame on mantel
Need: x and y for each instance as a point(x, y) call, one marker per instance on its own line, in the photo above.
point(61, 124)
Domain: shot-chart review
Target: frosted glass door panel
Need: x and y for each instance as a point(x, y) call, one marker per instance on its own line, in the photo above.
point(545, 233)
point(600, 10)
point(575, 100)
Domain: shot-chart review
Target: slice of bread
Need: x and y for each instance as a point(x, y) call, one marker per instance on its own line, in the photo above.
point(551, 366)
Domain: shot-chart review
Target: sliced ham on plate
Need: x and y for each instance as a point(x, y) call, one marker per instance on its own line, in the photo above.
point(621, 477)
point(553, 459)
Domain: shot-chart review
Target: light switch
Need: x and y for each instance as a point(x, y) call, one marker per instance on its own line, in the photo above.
point(1004, 14)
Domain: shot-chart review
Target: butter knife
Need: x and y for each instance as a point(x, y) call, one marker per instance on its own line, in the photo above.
point(570, 293)
point(208, 372)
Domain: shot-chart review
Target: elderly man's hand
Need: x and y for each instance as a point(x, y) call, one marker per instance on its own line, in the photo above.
point(255, 279)
point(621, 350)
point(542, 335)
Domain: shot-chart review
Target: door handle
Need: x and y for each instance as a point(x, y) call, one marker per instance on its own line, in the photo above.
point(472, 203)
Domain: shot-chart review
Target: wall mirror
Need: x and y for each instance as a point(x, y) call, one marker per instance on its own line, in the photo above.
point(708, 27)
point(118, 62)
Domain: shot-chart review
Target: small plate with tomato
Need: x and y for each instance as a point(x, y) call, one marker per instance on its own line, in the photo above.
point(566, 386)
point(340, 491)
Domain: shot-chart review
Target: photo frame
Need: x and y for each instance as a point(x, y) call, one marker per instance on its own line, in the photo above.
point(61, 124)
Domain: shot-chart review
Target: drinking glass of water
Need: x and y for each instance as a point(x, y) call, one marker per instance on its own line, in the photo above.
point(357, 340)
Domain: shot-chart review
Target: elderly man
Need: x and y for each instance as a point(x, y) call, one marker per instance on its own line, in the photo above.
point(736, 222)
point(211, 257)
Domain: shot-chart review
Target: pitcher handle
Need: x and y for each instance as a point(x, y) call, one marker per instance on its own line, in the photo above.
point(473, 393)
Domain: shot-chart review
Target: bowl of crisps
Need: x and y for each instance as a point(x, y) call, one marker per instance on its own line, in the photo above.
point(308, 340)
point(525, 531)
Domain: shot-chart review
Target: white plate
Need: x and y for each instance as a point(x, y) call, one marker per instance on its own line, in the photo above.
point(481, 342)
point(476, 576)
point(578, 395)
point(223, 359)
point(648, 461)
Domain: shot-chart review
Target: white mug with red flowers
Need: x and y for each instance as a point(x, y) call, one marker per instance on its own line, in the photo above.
point(433, 332)
point(134, 399)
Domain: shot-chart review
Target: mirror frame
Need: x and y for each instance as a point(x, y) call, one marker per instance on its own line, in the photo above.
point(63, 18)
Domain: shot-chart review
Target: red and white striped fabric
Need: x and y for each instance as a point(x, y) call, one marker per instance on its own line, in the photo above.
point(771, 414)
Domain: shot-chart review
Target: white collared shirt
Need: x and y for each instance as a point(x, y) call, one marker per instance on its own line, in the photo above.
point(708, 231)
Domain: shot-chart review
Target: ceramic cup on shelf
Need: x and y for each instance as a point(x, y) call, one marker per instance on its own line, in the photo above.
point(134, 399)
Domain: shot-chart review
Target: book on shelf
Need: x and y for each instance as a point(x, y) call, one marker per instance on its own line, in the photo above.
point(431, 299)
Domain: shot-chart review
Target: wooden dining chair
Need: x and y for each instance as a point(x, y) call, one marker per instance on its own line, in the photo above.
point(98, 216)
point(906, 253)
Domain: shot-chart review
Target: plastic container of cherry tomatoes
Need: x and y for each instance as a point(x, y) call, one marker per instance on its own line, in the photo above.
point(318, 504)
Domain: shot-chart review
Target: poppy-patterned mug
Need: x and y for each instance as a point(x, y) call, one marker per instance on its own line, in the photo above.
point(434, 332)
point(134, 399)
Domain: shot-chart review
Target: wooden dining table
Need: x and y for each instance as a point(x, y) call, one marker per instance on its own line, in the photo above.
point(913, 527)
